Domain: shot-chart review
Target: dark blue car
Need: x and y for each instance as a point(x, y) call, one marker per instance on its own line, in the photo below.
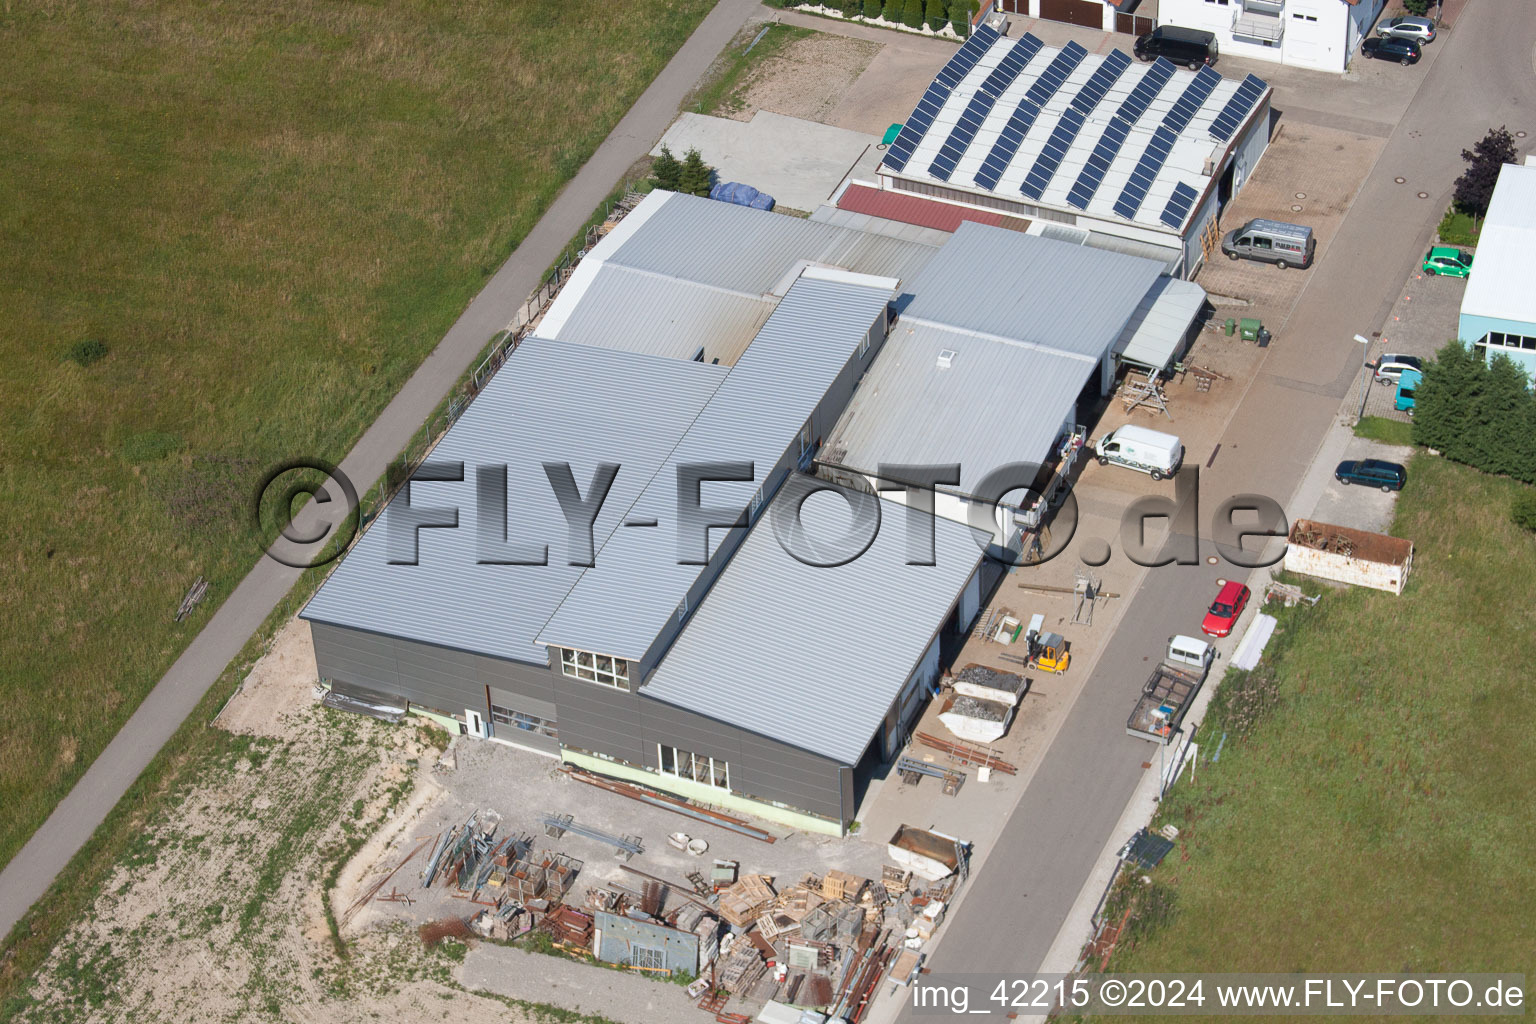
point(1389, 476)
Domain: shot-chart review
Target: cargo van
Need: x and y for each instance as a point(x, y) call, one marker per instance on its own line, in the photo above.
point(1187, 652)
point(1187, 47)
point(1271, 241)
point(1146, 451)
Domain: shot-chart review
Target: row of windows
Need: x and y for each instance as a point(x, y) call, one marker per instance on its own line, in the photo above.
point(1500, 340)
point(595, 668)
point(524, 721)
point(682, 764)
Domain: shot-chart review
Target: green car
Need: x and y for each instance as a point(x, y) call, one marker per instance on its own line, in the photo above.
point(1442, 259)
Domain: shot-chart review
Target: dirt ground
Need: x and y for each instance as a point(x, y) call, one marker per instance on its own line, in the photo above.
point(808, 79)
point(217, 912)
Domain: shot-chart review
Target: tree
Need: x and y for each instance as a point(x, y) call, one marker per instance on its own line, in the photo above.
point(960, 12)
point(872, 9)
point(667, 171)
point(912, 14)
point(892, 12)
point(1440, 401)
point(853, 8)
point(1494, 434)
point(1523, 510)
point(1418, 7)
point(938, 14)
point(1474, 189)
point(696, 175)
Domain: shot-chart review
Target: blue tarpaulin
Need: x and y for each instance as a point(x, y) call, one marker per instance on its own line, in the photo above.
point(741, 195)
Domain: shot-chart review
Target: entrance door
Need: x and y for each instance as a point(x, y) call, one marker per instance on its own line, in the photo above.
point(1087, 13)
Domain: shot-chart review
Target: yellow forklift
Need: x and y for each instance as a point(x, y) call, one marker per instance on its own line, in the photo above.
point(1048, 652)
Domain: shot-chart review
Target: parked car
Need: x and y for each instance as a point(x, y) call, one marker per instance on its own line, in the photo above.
point(1188, 47)
point(1389, 476)
point(1419, 30)
point(1391, 366)
point(1404, 51)
point(1230, 601)
point(1271, 241)
point(1443, 259)
point(1407, 387)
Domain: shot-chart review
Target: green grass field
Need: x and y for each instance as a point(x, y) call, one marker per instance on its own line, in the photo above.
point(268, 216)
point(1379, 816)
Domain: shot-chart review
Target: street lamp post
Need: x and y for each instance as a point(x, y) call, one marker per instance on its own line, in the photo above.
point(1365, 383)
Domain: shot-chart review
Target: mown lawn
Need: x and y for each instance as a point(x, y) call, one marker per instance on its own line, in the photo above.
point(268, 215)
point(1379, 817)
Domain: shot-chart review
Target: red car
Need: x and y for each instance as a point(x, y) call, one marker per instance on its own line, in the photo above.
point(1229, 604)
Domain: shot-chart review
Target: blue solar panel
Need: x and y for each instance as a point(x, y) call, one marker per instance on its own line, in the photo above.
point(1056, 73)
point(1007, 145)
point(1150, 85)
point(1103, 155)
point(1100, 81)
point(964, 132)
point(1145, 173)
point(1237, 108)
point(1179, 205)
point(1039, 177)
point(1185, 107)
point(938, 92)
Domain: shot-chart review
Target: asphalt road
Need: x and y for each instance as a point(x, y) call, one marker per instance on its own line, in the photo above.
point(1017, 902)
point(32, 870)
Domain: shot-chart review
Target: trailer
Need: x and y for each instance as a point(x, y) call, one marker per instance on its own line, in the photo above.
point(1170, 689)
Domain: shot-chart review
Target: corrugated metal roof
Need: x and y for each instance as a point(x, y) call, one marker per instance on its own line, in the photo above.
point(1159, 324)
point(546, 404)
point(1500, 284)
point(621, 605)
point(1068, 156)
point(1071, 298)
point(640, 312)
point(838, 643)
point(912, 209)
point(749, 251)
point(995, 404)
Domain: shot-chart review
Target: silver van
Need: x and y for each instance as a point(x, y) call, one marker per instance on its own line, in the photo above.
point(1271, 241)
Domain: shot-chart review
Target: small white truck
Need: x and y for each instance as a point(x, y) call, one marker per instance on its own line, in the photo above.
point(1167, 693)
point(1146, 451)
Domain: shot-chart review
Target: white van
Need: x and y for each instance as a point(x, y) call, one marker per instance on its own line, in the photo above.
point(1146, 451)
point(1187, 652)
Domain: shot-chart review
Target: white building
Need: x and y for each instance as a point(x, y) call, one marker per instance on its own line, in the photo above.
point(1089, 148)
point(1319, 34)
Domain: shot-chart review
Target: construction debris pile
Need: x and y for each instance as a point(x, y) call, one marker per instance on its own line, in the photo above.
point(823, 942)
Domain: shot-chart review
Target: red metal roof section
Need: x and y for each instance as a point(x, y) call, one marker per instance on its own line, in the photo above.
point(927, 213)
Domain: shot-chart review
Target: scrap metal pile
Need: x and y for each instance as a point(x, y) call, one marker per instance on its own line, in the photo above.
point(823, 943)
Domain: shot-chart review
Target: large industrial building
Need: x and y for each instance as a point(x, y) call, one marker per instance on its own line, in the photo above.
point(771, 663)
point(1498, 309)
point(1089, 148)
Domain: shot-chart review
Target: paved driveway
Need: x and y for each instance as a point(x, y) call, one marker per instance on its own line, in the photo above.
point(796, 161)
point(1360, 508)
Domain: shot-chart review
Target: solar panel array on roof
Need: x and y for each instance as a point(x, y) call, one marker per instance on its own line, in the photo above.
point(952, 74)
point(1103, 155)
point(1007, 144)
point(1050, 157)
point(1196, 94)
point(1145, 173)
point(1150, 85)
point(1237, 108)
point(1002, 76)
point(1179, 205)
point(1055, 74)
point(1108, 73)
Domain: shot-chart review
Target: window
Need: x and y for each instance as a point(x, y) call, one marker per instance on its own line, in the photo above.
point(1502, 340)
point(682, 608)
point(644, 956)
point(1305, 17)
point(711, 771)
point(524, 721)
point(595, 668)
